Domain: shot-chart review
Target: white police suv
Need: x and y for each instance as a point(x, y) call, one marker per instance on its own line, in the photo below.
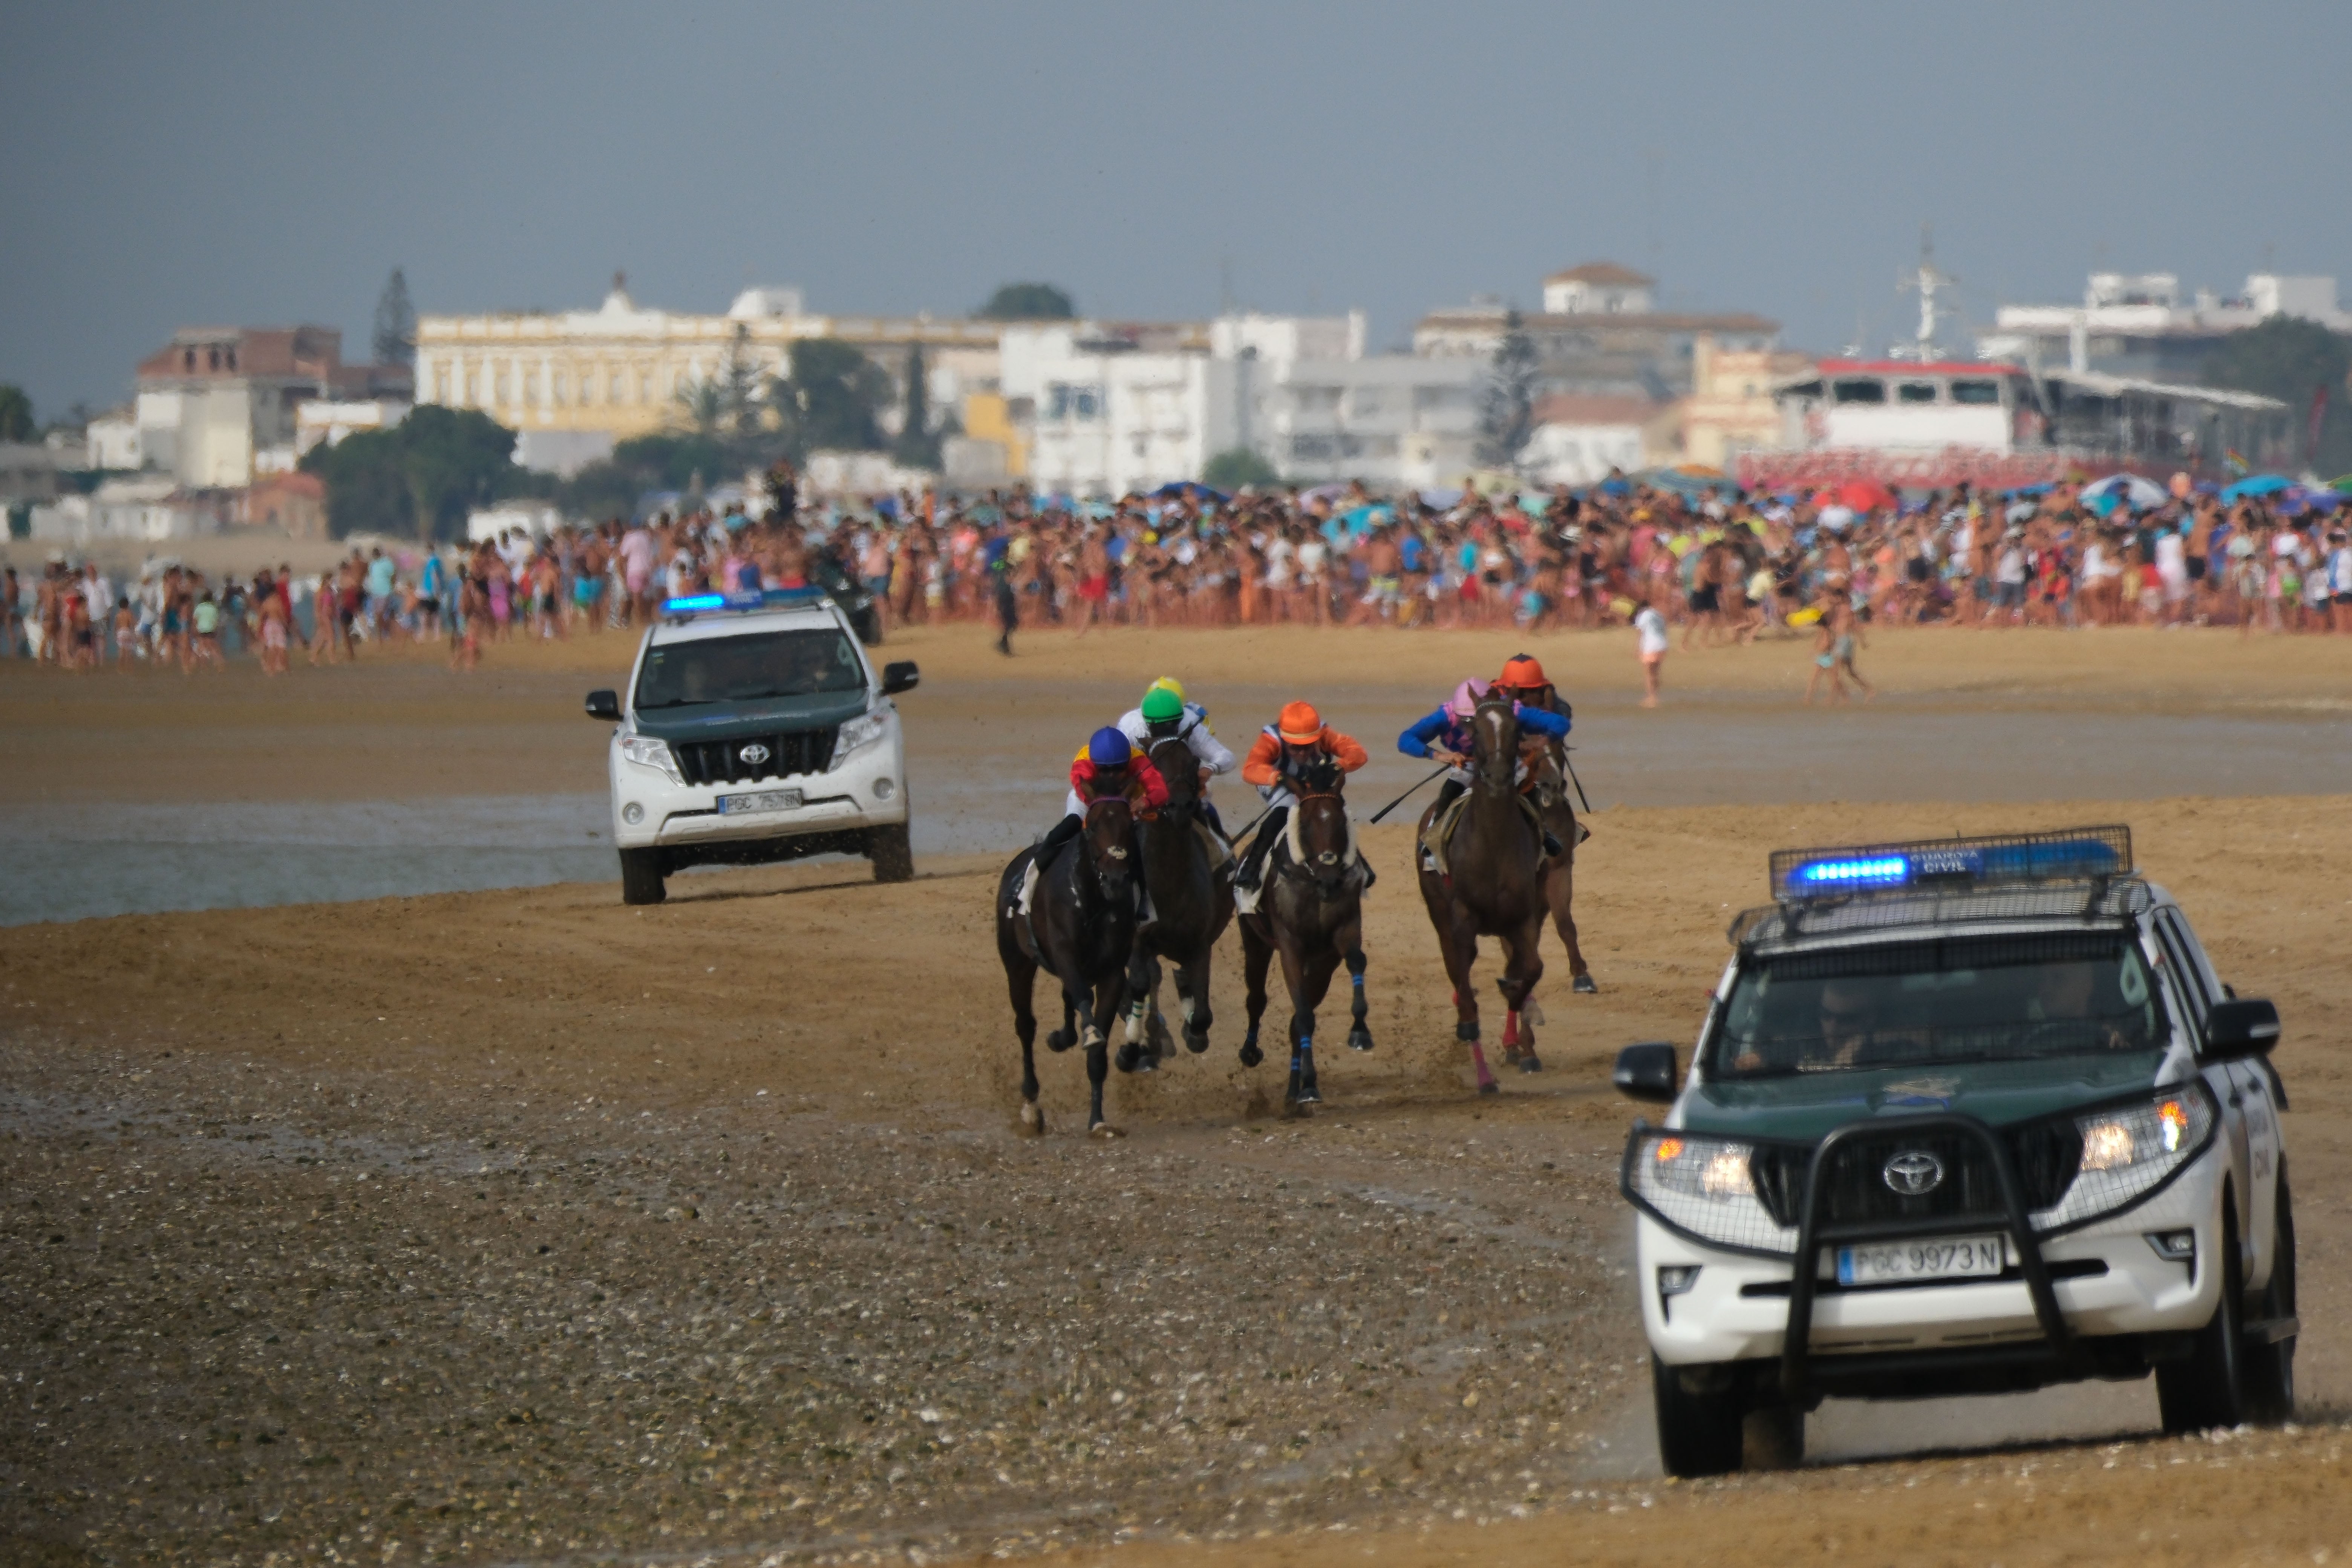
point(1966, 1116)
point(754, 730)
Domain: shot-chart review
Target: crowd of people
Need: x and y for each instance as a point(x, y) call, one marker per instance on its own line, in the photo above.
point(1720, 565)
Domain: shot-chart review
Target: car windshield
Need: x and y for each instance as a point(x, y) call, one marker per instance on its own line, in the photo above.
point(741, 668)
point(1957, 999)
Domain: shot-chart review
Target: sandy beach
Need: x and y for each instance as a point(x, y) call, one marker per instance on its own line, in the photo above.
point(519, 1225)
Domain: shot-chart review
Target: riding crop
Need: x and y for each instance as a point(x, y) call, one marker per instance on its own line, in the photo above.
point(1402, 798)
point(1572, 779)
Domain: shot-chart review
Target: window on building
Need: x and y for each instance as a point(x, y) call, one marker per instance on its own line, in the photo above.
point(644, 386)
point(1367, 403)
point(1980, 394)
point(441, 385)
point(561, 385)
point(617, 390)
point(1916, 392)
point(1861, 389)
point(501, 387)
point(530, 387)
point(473, 389)
point(1311, 448)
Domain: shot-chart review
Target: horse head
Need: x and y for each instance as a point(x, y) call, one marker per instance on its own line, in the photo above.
point(1322, 824)
point(1495, 742)
point(1182, 769)
point(1109, 830)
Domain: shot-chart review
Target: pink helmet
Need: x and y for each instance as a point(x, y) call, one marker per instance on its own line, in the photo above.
point(1464, 701)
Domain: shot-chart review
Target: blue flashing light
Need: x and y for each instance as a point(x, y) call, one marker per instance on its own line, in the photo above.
point(686, 604)
point(1877, 871)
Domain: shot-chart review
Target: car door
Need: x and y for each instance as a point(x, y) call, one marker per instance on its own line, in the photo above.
point(2246, 1096)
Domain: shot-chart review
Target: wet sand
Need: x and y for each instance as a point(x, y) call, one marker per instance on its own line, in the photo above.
point(523, 1226)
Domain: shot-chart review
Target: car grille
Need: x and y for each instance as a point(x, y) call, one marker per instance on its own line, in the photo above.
point(1854, 1183)
point(723, 762)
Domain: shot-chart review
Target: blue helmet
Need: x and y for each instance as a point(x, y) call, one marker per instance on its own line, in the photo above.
point(1108, 748)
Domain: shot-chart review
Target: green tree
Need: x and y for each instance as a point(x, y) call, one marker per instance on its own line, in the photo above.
point(420, 476)
point(1027, 302)
point(16, 414)
point(1507, 404)
point(394, 340)
point(918, 445)
point(2289, 358)
point(834, 398)
point(1236, 466)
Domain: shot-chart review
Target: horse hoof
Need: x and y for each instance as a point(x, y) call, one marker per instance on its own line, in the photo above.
point(1033, 1121)
point(1252, 1056)
point(1467, 1030)
point(1360, 1039)
point(1104, 1131)
point(1194, 1043)
point(1306, 1097)
point(1490, 1086)
point(1529, 1064)
point(1584, 986)
point(1060, 1040)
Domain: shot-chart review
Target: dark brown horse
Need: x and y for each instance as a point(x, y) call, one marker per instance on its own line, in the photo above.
point(1494, 886)
point(1551, 800)
point(1192, 904)
point(1311, 912)
point(1081, 927)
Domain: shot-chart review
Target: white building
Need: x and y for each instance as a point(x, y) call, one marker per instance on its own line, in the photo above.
point(1598, 288)
point(330, 422)
point(2137, 324)
point(111, 441)
point(149, 509)
point(1108, 409)
point(1577, 440)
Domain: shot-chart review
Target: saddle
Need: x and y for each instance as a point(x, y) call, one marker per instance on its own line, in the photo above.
point(1289, 854)
point(1439, 836)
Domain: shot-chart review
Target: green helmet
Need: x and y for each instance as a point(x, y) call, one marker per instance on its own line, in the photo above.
point(1160, 705)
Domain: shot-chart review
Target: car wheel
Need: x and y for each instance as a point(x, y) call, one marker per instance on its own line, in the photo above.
point(640, 877)
point(2270, 1364)
point(1699, 1433)
point(893, 856)
point(2208, 1389)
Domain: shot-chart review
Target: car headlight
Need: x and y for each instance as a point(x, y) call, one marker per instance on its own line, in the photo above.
point(2129, 1150)
point(648, 752)
point(1706, 1187)
point(859, 734)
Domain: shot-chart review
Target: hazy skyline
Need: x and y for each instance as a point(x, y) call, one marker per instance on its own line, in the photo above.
point(265, 164)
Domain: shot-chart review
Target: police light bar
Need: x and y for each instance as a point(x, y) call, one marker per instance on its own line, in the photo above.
point(2072, 854)
point(704, 604)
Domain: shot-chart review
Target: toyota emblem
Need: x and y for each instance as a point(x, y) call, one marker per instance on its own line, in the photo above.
point(1914, 1174)
point(754, 753)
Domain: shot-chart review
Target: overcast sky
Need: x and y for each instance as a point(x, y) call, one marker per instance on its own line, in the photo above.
point(170, 165)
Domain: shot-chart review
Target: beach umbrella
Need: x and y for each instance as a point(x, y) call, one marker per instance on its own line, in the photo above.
point(2143, 494)
point(1864, 495)
point(2258, 485)
point(1189, 489)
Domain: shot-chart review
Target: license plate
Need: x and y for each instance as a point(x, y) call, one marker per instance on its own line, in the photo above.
point(760, 800)
point(1898, 1262)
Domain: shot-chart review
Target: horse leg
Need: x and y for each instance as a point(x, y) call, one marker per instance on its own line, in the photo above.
point(1100, 1020)
point(1302, 1022)
point(1143, 987)
point(1458, 945)
point(1562, 890)
point(1522, 967)
point(1021, 979)
point(1318, 978)
point(1256, 954)
point(1192, 997)
point(1359, 1034)
point(1062, 1038)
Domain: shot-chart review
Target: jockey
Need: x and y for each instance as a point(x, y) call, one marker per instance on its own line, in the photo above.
point(1164, 713)
point(1524, 681)
point(1108, 765)
point(1444, 736)
point(1298, 737)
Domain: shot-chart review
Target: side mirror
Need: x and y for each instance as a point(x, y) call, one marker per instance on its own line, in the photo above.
point(1646, 1071)
point(605, 705)
point(2241, 1027)
point(900, 676)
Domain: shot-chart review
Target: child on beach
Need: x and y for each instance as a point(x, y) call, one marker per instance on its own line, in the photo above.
point(1651, 642)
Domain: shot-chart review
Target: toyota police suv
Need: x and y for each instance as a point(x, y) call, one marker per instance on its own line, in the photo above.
point(1966, 1116)
point(753, 729)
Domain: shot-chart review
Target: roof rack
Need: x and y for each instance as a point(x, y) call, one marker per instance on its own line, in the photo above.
point(2065, 855)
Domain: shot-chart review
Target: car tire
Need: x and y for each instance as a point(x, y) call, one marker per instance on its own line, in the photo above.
point(640, 877)
point(2270, 1366)
point(2209, 1388)
point(892, 854)
point(1699, 1433)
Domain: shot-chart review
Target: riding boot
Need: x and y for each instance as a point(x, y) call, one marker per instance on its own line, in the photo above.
point(1552, 845)
point(1254, 862)
point(1048, 846)
point(1447, 793)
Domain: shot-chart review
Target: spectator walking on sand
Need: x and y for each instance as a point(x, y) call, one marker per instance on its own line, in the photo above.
point(1651, 640)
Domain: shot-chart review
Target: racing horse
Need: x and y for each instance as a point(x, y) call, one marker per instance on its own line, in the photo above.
point(1494, 886)
point(1192, 903)
point(1081, 927)
point(1551, 800)
point(1311, 912)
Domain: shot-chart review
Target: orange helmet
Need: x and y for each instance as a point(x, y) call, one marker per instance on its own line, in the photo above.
point(1521, 673)
point(1299, 723)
